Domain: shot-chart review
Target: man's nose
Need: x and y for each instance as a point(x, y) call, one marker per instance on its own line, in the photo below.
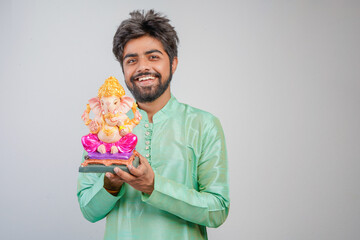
point(143, 65)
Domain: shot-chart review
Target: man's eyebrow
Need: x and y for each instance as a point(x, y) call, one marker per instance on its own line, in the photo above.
point(152, 51)
point(130, 55)
point(146, 53)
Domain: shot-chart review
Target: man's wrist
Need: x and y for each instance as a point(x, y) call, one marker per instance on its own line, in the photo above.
point(112, 191)
point(112, 188)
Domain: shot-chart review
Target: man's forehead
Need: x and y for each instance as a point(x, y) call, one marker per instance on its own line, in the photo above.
point(143, 45)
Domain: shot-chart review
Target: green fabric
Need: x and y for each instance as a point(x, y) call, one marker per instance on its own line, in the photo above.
point(186, 149)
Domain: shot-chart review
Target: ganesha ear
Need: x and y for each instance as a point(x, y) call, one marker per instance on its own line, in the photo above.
point(126, 104)
point(95, 106)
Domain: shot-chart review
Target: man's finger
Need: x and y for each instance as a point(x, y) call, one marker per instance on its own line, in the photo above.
point(112, 177)
point(124, 175)
point(143, 160)
point(136, 171)
point(109, 175)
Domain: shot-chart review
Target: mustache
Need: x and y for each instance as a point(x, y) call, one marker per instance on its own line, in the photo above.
point(132, 79)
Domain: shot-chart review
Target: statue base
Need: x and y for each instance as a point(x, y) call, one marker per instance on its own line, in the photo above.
point(91, 165)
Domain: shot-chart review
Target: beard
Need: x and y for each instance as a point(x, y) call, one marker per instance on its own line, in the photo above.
point(150, 93)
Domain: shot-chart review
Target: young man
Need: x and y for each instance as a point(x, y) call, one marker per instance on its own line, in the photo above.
point(181, 185)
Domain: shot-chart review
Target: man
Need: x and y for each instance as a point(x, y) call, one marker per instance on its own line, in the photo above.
point(181, 184)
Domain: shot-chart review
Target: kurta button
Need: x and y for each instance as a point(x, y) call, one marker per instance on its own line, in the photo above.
point(147, 155)
point(147, 147)
point(146, 125)
point(147, 133)
point(147, 142)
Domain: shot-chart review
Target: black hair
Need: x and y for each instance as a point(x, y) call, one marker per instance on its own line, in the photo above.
point(140, 24)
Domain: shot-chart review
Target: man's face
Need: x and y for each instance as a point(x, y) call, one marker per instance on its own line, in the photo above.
point(147, 68)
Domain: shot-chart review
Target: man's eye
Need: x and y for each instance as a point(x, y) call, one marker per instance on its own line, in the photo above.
point(130, 61)
point(153, 57)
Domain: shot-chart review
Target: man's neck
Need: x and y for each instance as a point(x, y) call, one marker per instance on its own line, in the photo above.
point(153, 107)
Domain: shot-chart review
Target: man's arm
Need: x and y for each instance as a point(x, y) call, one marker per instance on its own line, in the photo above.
point(94, 200)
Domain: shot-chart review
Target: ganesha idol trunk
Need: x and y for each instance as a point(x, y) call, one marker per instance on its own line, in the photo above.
point(96, 162)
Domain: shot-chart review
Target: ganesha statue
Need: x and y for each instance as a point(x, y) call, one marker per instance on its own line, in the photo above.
point(110, 141)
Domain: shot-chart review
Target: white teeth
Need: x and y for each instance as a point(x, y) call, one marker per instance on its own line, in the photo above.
point(146, 78)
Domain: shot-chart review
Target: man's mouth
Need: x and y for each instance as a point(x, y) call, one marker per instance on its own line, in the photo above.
point(144, 78)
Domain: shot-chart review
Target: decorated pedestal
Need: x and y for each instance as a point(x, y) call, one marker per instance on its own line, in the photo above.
point(99, 163)
point(110, 142)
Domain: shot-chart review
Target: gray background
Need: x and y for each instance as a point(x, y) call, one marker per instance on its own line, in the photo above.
point(282, 76)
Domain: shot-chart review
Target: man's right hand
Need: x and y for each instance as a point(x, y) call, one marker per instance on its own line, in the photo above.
point(112, 183)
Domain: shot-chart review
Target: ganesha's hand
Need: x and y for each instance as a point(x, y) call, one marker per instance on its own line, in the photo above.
point(94, 127)
point(85, 117)
point(121, 119)
point(119, 122)
point(101, 149)
point(137, 116)
point(124, 131)
point(114, 150)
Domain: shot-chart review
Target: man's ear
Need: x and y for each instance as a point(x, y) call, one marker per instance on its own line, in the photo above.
point(174, 64)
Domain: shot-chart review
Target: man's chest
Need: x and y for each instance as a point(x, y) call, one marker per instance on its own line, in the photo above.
point(169, 149)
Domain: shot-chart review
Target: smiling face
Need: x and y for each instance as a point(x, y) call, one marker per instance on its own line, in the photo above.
point(147, 69)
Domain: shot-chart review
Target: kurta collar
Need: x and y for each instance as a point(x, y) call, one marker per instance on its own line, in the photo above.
point(163, 113)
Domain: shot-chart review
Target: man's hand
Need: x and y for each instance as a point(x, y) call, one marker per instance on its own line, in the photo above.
point(112, 183)
point(141, 178)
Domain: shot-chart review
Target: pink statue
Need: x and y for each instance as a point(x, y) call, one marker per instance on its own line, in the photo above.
point(110, 130)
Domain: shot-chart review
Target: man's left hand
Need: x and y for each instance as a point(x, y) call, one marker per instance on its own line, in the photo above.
point(141, 178)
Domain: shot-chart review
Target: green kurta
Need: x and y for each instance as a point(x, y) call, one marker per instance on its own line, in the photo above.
point(186, 149)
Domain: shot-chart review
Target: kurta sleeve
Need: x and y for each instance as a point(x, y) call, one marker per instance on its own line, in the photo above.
point(95, 202)
point(209, 204)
